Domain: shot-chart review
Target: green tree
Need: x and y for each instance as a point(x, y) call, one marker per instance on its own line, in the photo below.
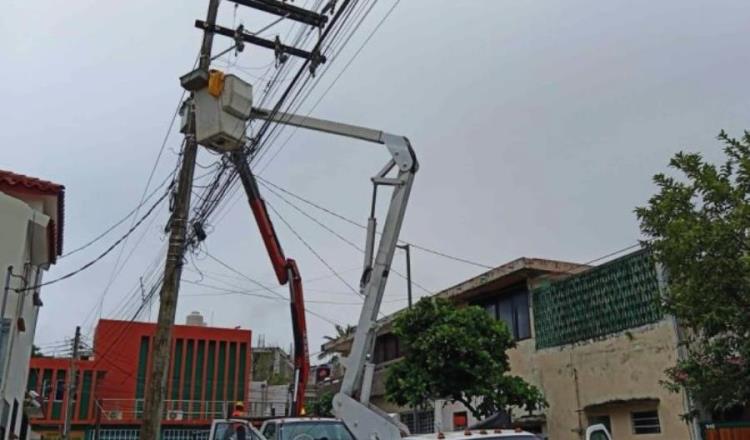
point(698, 228)
point(323, 405)
point(342, 332)
point(458, 354)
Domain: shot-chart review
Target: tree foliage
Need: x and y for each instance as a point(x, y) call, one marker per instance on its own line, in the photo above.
point(458, 354)
point(342, 332)
point(322, 406)
point(698, 227)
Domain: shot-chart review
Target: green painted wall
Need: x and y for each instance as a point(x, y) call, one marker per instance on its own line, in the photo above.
point(232, 364)
point(85, 398)
point(242, 375)
point(176, 370)
point(188, 381)
point(199, 378)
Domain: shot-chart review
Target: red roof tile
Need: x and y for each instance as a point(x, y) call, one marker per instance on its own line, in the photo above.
point(19, 182)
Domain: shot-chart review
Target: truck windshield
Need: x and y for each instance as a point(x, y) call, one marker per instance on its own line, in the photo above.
point(315, 430)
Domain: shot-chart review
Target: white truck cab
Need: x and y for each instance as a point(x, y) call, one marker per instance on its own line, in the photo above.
point(483, 434)
point(305, 428)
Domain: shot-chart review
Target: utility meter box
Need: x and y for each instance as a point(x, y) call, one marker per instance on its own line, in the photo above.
point(221, 112)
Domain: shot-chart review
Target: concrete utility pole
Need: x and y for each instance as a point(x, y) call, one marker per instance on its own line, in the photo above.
point(156, 386)
point(71, 389)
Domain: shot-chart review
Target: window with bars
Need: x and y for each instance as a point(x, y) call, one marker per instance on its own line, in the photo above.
point(419, 422)
point(645, 422)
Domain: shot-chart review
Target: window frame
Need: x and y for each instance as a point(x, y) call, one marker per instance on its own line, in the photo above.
point(600, 419)
point(514, 298)
point(642, 415)
point(387, 348)
point(60, 385)
point(269, 431)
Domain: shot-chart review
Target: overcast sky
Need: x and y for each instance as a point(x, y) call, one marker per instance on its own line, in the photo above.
point(538, 126)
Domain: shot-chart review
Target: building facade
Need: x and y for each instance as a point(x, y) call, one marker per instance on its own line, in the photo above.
point(31, 238)
point(209, 371)
point(592, 339)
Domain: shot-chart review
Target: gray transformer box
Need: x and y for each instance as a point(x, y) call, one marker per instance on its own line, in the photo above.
point(220, 121)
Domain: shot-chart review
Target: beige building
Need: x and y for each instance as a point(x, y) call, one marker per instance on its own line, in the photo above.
point(31, 225)
point(592, 339)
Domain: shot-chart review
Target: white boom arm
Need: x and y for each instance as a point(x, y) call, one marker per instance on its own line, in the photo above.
point(351, 404)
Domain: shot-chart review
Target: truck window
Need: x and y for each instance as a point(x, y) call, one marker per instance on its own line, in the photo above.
point(233, 431)
point(269, 432)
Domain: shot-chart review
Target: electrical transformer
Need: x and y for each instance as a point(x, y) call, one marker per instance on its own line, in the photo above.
point(222, 109)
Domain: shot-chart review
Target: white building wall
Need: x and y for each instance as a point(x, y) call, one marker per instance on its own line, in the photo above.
point(23, 238)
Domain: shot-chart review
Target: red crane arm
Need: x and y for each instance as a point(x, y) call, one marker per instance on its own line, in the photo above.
point(287, 273)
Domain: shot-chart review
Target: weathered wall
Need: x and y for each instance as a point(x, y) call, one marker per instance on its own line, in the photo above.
point(19, 223)
point(622, 368)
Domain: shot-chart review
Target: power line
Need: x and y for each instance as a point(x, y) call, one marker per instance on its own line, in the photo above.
point(330, 86)
point(320, 223)
point(103, 254)
point(119, 222)
point(228, 267)
point(278, 128)
point(266, 183)
point(313, 251)
point(612, 254)
point(204, 211)
point(226, 292)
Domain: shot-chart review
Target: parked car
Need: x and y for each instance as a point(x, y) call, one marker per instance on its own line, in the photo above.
point(305, 428)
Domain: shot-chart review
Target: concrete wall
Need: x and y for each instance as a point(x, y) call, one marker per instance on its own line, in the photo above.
point(22, 231)
point(613, 376)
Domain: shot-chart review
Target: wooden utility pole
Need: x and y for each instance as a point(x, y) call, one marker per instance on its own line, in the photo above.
point(73, 385)
point(156, 386)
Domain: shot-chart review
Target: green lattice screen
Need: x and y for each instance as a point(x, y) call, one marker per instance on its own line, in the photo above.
point(610, 298)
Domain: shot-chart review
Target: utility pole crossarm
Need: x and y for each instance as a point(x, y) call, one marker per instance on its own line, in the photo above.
point(285, 10)
point(262, 42)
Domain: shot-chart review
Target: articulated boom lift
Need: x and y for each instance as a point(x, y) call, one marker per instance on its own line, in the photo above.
point(352, 403)
point(287, 273)
point(220, 111)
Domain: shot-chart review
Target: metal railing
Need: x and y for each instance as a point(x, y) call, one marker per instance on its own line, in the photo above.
point(113, 410)
point(134, 434)
point(268, 408)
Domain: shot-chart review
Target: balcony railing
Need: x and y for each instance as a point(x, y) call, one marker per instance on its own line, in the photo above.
point(174, 410)
point(114, 410)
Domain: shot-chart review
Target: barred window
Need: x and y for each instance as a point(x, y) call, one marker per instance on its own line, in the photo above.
point(419, 422)
point(645, 422)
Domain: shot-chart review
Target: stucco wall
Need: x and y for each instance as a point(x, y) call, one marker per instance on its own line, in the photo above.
point(603, 377)
point(18, 223)
point(612, 376)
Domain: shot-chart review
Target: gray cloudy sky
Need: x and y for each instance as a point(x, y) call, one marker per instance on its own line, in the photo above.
point(538, 126)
